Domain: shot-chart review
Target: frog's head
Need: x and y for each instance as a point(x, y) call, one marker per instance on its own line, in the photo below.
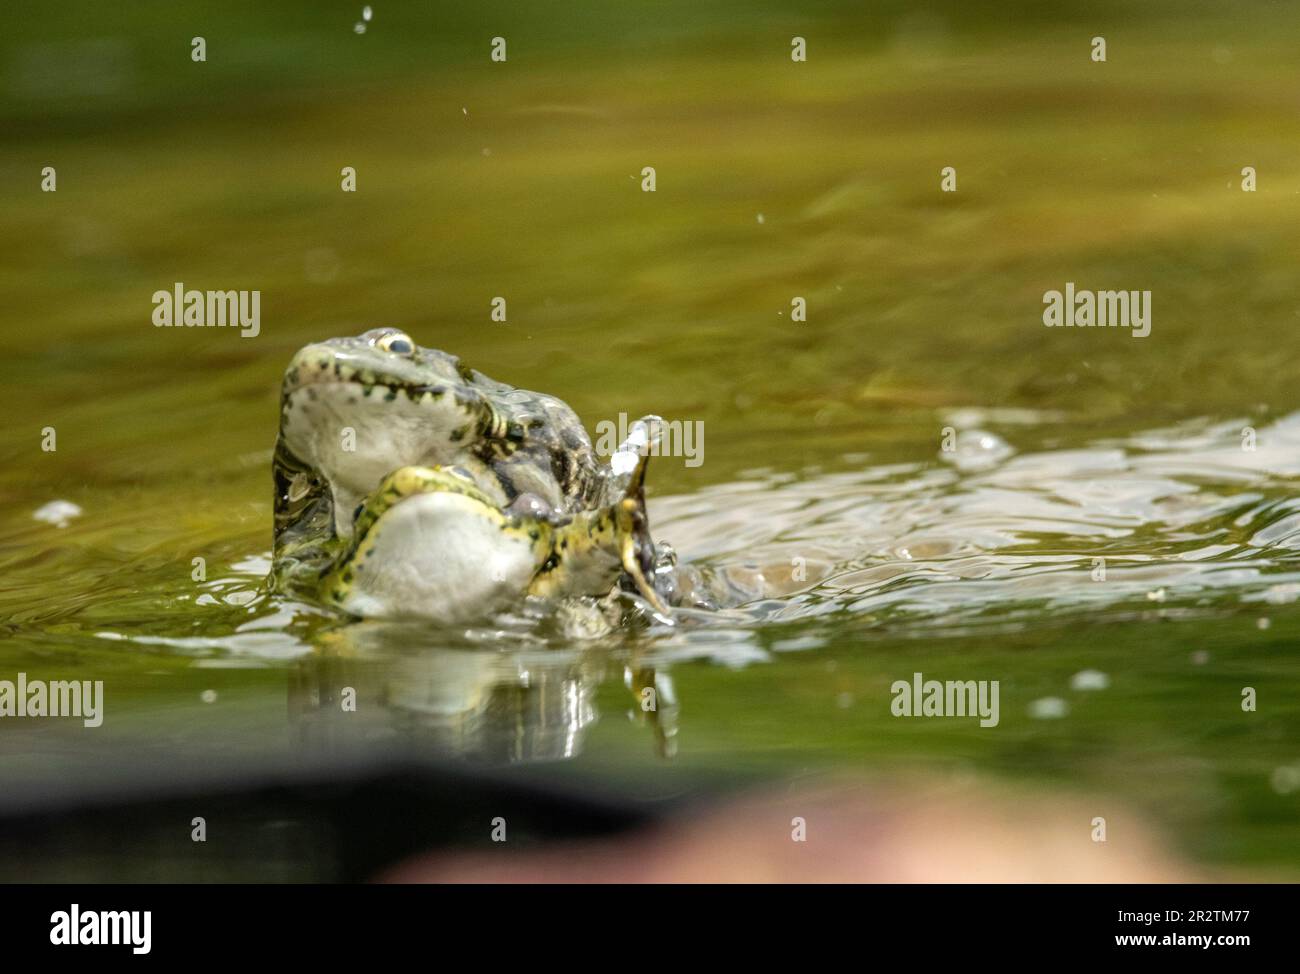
point(354, 409)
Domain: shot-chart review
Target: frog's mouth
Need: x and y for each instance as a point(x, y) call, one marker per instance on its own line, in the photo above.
point(317, 365)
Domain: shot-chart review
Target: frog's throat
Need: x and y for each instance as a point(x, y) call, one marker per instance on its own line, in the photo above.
point(354, 433)
point(496, 441)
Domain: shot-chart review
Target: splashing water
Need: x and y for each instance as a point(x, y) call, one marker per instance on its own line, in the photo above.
point(1175, 516)
point(1173, 521)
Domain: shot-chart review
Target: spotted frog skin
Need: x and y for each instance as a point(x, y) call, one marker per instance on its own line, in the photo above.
point(407, 484)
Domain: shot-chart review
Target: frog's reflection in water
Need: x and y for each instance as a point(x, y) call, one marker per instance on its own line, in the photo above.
point(371, 682)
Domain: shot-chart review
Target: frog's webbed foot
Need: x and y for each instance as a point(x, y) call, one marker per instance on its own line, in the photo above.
point(596, 549)
point(676, 585)
point(625, 489)
point(636, 547)
point(627, 464)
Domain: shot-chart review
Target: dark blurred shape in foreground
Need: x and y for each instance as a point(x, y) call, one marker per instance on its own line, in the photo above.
point(853, 835)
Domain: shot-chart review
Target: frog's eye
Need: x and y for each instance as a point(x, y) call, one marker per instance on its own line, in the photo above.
point(397, 342)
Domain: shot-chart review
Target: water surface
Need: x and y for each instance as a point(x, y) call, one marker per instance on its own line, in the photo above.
point(1115, 507)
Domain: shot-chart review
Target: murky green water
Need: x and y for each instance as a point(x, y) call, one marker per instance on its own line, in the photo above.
point(822, 448)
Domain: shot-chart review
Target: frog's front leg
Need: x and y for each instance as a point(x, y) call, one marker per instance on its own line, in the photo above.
point(429, 543)
point(589, 552)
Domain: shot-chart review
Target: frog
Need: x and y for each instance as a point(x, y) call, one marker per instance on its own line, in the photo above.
point(407, 484)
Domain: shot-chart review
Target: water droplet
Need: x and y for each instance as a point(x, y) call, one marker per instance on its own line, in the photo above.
point(58, 513)
point(366, 13)
point(208, 696)
point(760, 219)
point(1286, 779)
point(977, 450)
point(1048, 708)
point(1263, 622)
point(1200, 657)
point(1089, 680)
